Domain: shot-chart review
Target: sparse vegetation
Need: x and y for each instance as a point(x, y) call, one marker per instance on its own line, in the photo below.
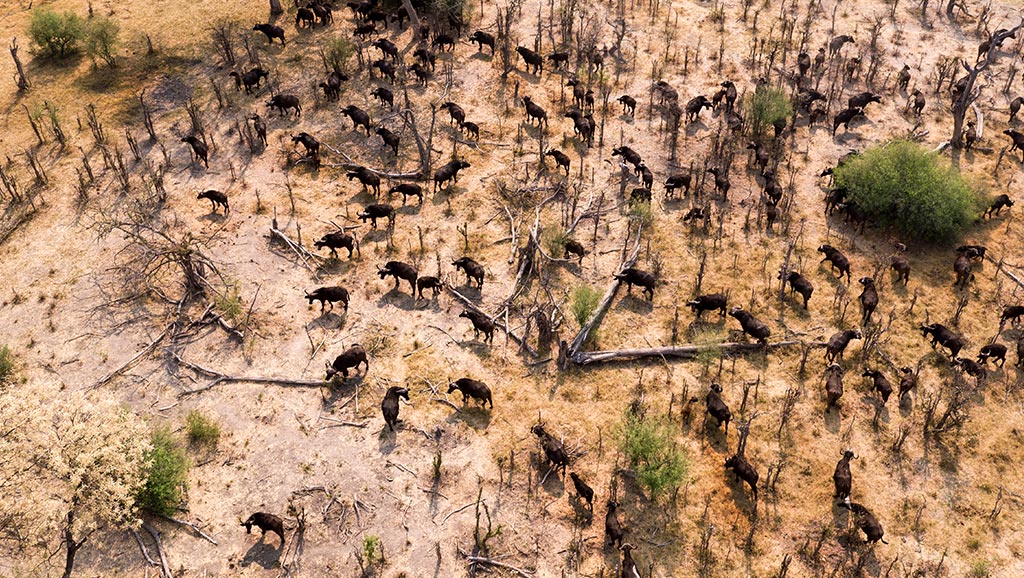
point(651, 451)
point(904, 186)
point(202, 431)
point(554, 239)
point(584, 301)
point(981, 569)
point(6, 365)
point(166, 482)
point(56, 35)
point(230, 305)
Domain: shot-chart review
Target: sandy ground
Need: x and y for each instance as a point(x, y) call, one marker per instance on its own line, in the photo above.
point(290, 448)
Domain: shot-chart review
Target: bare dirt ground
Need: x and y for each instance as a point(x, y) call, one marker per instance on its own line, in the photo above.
point(327, 453)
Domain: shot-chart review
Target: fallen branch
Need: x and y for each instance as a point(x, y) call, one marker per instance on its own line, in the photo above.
point(453, 512)
point(165, 569)
point(225, 378)
point(455, 341)
point(489, 562)
point(470, 305)
point(135, 359)
point(142, 546)
point(224, 325)
point(1003, 270)
point(304, 255)
point(676, 352)
point(194, 528)
point(351, 165)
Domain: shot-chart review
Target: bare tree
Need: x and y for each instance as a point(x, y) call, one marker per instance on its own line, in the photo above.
point(275, 8)
point(20, 79)
point(969, 93)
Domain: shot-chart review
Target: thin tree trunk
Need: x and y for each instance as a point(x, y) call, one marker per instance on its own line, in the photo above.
point(413, 18)
point(275, 7)
point(22, 80)
point(71, 545)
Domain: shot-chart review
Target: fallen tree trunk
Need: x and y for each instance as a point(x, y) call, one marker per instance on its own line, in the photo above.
point(1002, 269)
point(606, 302)
point(220, 377)
point(675, 352)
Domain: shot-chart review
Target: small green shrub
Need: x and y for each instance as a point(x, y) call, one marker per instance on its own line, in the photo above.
point(584, 301)
point(202, 430)
point(902, 185)
point(553, 240)
point(640, 212)
point(101, 39)
point(372, 552)
point(338, 52)
point(648, 445)
point(168, 469)
point(981, 569)
point(55, 35)
point(766, 106)
point(6, 365)
point(230, 305)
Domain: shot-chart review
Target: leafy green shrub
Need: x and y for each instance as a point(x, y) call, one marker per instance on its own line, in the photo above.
point(584, 301)
point(648, 445)
point(640, 212)
point(981, 569)
point(101, 39)
point(902, 185)
point(337, 53)
point(554, 241)
point(768, 105)
point(167, 479)
point(6, 365)
point(55, 35)
point(371, 544)
point(202, 430)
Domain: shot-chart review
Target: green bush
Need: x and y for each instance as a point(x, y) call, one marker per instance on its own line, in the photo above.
point(904, 186)
point(55, 35)
point(101, 39)
point(230, 304)
point(648, 445)
point(168, 469)
point(767, 106)
point(981, 569)
point(6, 365)
point(584, 301)
point(371, 544)
point(640, 212)
point(553, 239)
point(202, 430)
point(338, 52)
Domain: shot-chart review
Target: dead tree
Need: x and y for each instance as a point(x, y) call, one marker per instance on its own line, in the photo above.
point(157, 261)
point(275, 8)
point(20, 78)
point(970, 94)
point(504, 22)
point(147, 116)
point(222, 34)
